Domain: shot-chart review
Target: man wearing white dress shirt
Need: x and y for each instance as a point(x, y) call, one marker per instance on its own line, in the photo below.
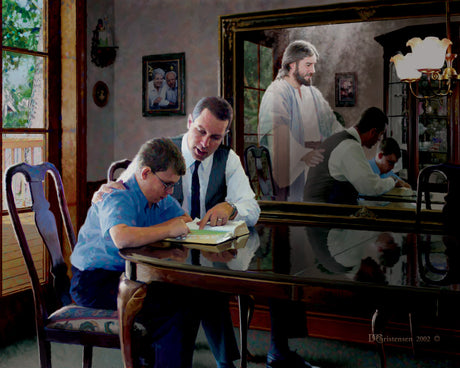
point(220, 168)
point(225, 194)
point(345, 171)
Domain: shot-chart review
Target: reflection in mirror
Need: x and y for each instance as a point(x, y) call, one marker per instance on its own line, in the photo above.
point(385, 257)
point(359, 49)
point(366, 256)
point(289, 118)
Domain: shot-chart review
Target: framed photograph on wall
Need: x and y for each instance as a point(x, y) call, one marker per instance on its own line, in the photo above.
point(100, 94)
point(346, 87)
point(163, 84)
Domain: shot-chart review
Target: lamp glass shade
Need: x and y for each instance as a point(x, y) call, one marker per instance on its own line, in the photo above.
point(406, 66)
point(430, 53)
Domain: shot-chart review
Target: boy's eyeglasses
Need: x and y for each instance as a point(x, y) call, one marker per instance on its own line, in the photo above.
point(167, 186)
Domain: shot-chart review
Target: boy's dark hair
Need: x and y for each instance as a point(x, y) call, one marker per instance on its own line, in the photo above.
point(160, 154)
point(372, 118)
point(389, 146)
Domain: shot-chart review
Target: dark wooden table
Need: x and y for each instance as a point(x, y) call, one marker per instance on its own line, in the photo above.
point(354, 273)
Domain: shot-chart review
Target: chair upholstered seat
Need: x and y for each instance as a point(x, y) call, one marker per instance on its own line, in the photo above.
point(77, 318)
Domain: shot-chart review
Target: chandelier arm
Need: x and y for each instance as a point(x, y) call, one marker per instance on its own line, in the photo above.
point(413, 93)
point(434, 95)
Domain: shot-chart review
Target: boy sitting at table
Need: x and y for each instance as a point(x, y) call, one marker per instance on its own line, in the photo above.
point(388, 154)
point(142, 214)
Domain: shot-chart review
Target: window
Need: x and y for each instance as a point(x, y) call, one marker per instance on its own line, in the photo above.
point(258, 66)
point(28, 123)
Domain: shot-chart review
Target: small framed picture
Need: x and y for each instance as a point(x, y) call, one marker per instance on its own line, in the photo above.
point(100, 94)
point(346, 87)
point(163, 84)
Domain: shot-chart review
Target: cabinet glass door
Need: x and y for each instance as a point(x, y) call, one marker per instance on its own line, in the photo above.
point(432, 131)
point(398, 118)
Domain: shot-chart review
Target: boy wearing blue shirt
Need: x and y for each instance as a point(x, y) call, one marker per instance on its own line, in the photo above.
point(384, 161)
point(142, 214)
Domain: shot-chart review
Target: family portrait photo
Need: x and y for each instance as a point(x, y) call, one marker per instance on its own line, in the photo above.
point(163, 89)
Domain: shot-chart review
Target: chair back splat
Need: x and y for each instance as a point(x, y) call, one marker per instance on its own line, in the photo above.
point(116, 165)
point(442, 178)
point(258, 167)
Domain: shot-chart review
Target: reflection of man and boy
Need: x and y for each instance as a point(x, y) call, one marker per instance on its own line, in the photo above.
point(369, 256)
point(361, 255)
point(163, 89)
point(314, 157)
point(345, 171)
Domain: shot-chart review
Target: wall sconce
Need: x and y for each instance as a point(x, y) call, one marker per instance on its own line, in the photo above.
point(425, 63)
point(103, 52)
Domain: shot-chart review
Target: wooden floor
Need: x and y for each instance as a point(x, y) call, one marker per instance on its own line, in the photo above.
point(14, 273)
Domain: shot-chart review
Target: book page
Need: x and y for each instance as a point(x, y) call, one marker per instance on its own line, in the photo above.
point(401, 192)
point(212, 234)
point(230, 226)
point(235, 243)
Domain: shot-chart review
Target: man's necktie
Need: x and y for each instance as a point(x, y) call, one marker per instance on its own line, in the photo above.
point(195, 208)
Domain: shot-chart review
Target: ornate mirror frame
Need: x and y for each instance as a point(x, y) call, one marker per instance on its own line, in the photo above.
point(232, 29)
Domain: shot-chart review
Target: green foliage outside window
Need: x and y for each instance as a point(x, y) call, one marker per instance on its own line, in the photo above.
point(258, 74)
point(21, 28)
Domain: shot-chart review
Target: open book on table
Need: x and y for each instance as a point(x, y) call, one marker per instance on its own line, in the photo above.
point(235, 243)
point(212, 234)
point(401, 192)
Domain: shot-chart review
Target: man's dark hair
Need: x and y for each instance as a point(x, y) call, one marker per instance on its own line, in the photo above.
point(160, 154)
point(372, 118)
point(389, 146)
point(218, 106)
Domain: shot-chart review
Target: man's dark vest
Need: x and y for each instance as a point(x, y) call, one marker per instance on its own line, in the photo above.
point(321, 186)
point(217, 186)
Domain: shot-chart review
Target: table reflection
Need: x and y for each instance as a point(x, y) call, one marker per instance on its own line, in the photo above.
point(344, 255)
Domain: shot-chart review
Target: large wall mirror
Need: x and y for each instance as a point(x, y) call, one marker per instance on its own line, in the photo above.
point(355, 42)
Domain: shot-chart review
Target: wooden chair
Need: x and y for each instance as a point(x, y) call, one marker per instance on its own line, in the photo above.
point(448, 182)
point(258, 167)
point(68, 323)
point(115, 166)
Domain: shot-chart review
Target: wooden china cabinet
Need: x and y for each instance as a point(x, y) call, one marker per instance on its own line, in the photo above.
point(426, 129)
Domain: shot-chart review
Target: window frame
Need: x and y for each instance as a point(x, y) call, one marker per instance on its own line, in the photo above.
point(257, 89)
point(52, 129)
